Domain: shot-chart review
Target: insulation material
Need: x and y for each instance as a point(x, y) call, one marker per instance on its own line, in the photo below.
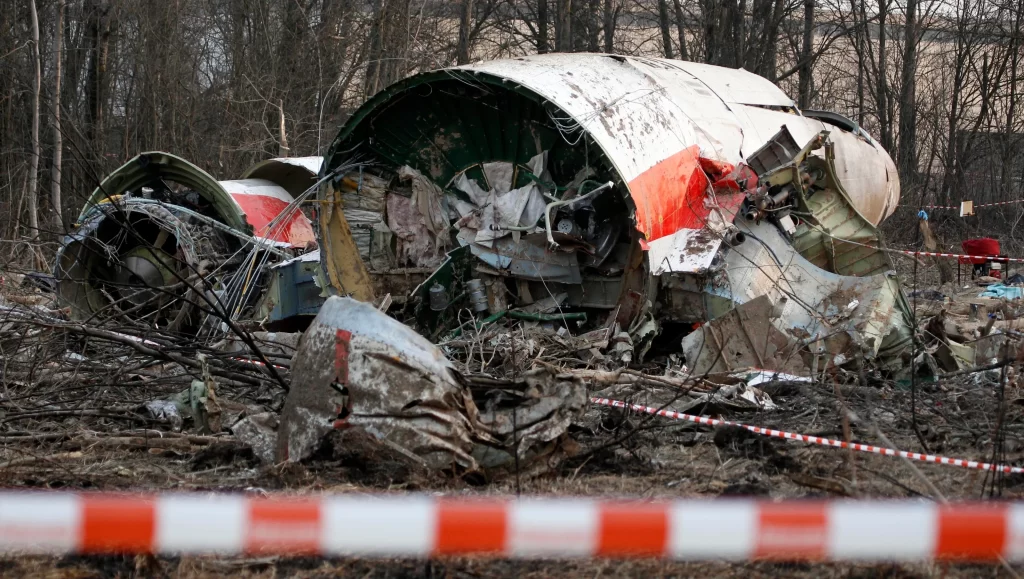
point(426, 199)
point(415, 245)
point(499, 176)
point(363, 198)
point(502, 211)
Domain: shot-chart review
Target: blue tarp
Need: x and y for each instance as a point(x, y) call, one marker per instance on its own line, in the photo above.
point(999, 290)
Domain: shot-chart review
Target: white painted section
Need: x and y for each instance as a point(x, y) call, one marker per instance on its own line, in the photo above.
point(258, 187)
point(735, 85)
point(720, 529)
point(39, 522)
point(305, 257)
point(1015, 533)
point(392, 526)
point(677, 252)
point(643, 110)
point(200, 524)
point(539, 528)
point(880, 531)
point(311, 164)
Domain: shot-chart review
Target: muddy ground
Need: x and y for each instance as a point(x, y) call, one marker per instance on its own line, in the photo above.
point(91, 436)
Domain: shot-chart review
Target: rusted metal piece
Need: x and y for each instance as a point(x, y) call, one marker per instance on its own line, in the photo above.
point(358, 368)
point(754, 343)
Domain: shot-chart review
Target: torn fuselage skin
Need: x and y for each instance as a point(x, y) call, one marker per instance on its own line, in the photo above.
point(609, 187)
point(160, 241)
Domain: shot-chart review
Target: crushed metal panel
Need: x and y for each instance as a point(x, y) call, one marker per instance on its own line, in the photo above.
point(743, 338)
point(357, 367)
point(867, 174)
point(813, 304)
point(339, 255)
point(294, 290)
point(822, 243)
point(147, 167)
point(530, 259)
point(830, 232)
point(865, 170)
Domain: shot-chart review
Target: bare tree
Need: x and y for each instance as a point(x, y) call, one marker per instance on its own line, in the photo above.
point(907, 153)
point(33, 170)
point(611, 14)
point(563, 25)
point(684, 53)
point(465, 26)
point(58, 139)
point(664, 24)
point(804, 98)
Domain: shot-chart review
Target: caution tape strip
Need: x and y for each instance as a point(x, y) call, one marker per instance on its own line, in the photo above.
point(423, 526)
point(928, 253)
point(939, 254)
point(978, 206)
point(812, 439)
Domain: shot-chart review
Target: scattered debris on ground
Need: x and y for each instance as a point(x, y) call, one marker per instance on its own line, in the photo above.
point(456, 308)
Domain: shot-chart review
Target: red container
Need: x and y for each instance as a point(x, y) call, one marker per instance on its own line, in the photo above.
point(982, 246)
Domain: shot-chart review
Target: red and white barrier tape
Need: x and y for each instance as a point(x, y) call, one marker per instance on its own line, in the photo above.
point(938, 254)
point(926, 253)
point(420, 526)
point(978, 206)
point(812, 439)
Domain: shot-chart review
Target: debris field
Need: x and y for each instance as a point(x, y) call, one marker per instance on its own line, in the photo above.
point(434, 305)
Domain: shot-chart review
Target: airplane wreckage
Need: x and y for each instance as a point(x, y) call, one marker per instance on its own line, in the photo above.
point(622, 200)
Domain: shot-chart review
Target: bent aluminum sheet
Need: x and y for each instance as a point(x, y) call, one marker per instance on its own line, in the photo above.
point(813, 304)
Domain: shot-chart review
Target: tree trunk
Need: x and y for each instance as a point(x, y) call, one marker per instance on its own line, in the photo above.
point(884, 123)
point(609, 26)
point(99, 40)
point(861, 32)
point(465, 24)
point(388, 42)
point(563, 28)
point(33, 170)
point(593, 25)
point(666, 35)
point(739, 32)
point(1006, 168)
point(542, 27)
point(771, 35)
point(283, 149)
point(58, 139)
point(804, 98)
point(684, 54)
point(932, 244)
point(907, 152)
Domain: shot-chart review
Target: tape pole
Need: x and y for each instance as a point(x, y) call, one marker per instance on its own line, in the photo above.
point(972, 464)
point(426, 526)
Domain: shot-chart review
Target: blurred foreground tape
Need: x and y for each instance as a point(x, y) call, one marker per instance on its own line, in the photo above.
point(422, 526)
